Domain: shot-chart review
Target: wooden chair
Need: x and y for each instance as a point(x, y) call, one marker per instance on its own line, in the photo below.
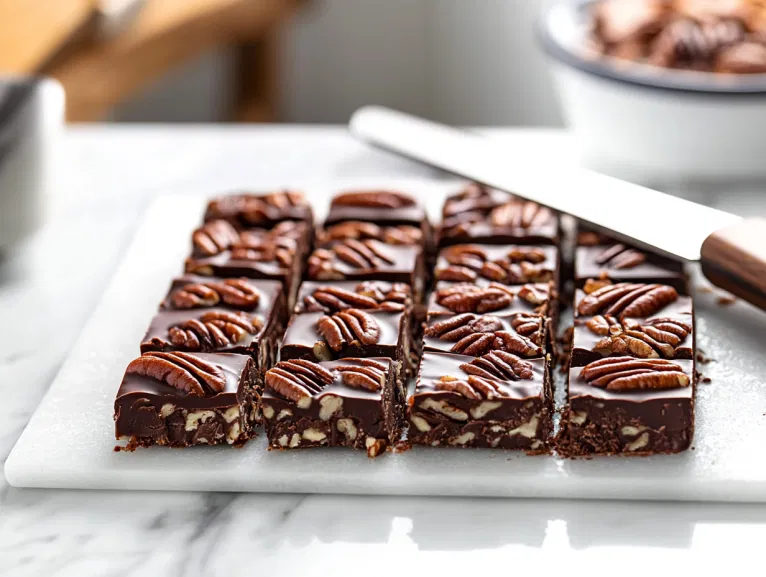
point(98, 73)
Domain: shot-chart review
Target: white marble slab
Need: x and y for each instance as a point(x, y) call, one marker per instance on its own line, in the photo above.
point(68, 442)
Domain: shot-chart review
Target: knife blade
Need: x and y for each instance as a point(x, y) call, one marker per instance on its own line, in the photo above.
point(732, 250)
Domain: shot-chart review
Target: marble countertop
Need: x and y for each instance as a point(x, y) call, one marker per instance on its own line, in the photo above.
point(49, 285)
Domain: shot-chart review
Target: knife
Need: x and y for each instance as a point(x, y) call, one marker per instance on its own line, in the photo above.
point(731, 250)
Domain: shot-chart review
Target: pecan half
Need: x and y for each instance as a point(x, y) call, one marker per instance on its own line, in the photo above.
point(213, 238)
point(371, 376)
point(473, 387)
point(347, 327)
point(358, 230)
point(235, 292)
point(519, 213)
point(627, 300)
point(469, 298)
point(214, 330)
point(298, 380)
point(652, 339)
point(499, 365)
point(619, 256)
point(626, 374)
point(182, 371)
point(358, 254)
point(373, 199)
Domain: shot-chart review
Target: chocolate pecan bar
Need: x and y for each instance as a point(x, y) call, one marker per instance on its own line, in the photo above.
point(260, 210)
point(221, 250)
point(508, 265)
point(498, 400)
point(183, 399)
point(185, 324)
point(346, 403)
point(485, 215)
point(629, 406)
point(359, 260)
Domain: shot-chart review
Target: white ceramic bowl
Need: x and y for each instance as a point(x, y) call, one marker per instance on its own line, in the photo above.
point(644, 123)
point(31, 123)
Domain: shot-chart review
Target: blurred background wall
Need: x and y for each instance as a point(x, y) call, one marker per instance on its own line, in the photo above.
point(459, 61)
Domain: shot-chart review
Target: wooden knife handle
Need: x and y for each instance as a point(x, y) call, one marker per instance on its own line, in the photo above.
point(734, 258)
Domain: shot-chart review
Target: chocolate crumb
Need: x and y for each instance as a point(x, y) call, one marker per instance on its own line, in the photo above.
point(726, 300)
point(702, 359)
point(401, 447)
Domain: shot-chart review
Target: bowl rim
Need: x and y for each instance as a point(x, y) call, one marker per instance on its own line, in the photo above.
point(637, 74)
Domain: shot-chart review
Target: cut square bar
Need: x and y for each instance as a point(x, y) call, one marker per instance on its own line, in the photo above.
point(495, 401)
point(345, 403)
point(184, 399)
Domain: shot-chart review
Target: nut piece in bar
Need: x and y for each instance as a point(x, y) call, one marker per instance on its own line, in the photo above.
point(498, 400)
point(624, 405)
point(383, 207)
point(485, 215)
point(345, 403)
point(628, 300)
point(183, 399)
point(401, 234)
point(522, 334)
point(360, 260)
point(260, 210)
point(336, 296)
point(618, 262)
point(222, 251)
point(508, 265)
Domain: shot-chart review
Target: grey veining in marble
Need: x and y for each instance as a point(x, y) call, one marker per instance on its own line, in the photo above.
point(49, 285)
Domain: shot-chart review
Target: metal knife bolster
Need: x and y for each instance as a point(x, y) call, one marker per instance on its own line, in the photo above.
point(647, 217)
